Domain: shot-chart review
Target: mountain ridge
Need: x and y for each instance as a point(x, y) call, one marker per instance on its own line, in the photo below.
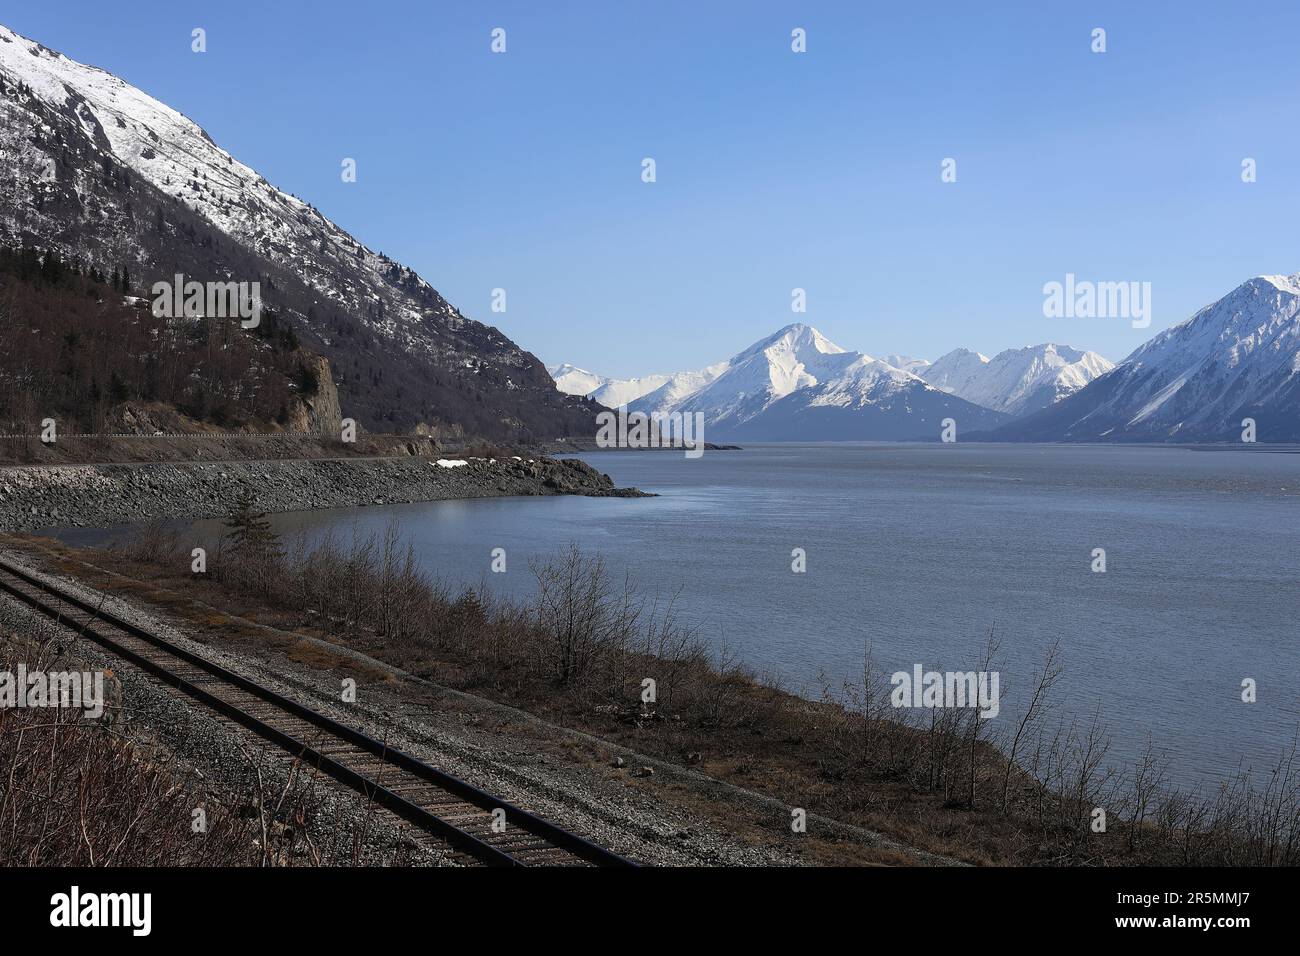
point(109, 176)
point(1236, 358)
point(813, 377)
point(795, 382)
point(1016, 380)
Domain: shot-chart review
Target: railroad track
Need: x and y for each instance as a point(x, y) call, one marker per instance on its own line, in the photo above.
point(449, 809)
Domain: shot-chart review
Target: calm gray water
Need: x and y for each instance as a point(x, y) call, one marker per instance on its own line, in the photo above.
point(921, 549)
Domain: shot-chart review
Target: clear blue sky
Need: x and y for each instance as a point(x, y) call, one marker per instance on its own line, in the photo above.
point(775, 170)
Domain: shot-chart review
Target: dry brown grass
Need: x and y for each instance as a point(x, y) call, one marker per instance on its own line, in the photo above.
point(74, 792)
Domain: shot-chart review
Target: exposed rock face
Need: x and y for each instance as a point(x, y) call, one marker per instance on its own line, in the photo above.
point(101, 495)
point(139, 418)
point(319, 413)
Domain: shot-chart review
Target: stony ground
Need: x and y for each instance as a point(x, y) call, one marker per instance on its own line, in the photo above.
point(97, 495)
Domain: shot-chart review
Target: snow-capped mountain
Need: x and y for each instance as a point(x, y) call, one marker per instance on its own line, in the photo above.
point(111, 177)
point(610, 392)
point(793, 358)
point(1234, 359)
point(868, 400)
point(1016, 381)
point(572, 380)
point(676, 389)
point(906, 363)
point(957, 372)
point(621, 391)
point(798, 385)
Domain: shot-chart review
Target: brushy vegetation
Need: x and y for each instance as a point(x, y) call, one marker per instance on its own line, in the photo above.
point(75, 792)
point(1021, 790)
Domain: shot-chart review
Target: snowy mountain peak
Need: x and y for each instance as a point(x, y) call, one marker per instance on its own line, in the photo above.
point(1290, 284)
point(793, 358)
point(957, 372)
point(610, 392)
point(795, 344)
point(907, 363)
point(962, 354)
point(796, 383)
point(799, 385)
point(575, 381)
point(1237, 358)
point(797, 375)
point(796, 337)
point(1259, 311)
point(1016, 381)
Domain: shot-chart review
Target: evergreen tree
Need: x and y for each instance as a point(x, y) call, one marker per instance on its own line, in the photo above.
point(467, 613)
point(52, 267)
point(248, 530)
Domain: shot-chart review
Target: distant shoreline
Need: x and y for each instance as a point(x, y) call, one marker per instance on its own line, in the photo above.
point(568, 446)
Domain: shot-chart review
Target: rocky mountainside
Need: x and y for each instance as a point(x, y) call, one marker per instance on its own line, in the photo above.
point(98, 361)
point(1234, 359)
point(113, 179)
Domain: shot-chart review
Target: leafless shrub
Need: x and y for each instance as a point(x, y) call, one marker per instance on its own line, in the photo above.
point(1148, 780)
point(582, 616)
point(726, 700)
point(668, 650)
point(154, 542)
point(1039, 702)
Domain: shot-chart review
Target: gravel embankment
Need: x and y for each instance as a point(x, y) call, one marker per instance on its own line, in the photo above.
point(33, 498)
